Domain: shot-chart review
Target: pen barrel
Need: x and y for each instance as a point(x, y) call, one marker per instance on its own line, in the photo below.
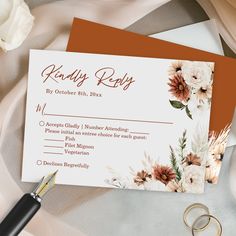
point(19, 216)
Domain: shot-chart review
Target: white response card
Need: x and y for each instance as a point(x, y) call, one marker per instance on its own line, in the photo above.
point(117, 121)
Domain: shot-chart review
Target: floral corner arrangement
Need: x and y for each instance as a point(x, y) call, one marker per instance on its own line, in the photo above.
point(190, 85)
point(16, 23)
point(184, 173)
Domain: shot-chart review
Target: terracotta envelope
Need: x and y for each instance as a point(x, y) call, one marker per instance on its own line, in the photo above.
point(91, 37)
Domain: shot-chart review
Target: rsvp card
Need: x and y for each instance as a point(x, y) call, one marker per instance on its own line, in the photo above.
point(118, 121)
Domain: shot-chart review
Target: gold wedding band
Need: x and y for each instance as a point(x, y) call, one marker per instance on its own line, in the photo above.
point(189, 209)
point(209, 217)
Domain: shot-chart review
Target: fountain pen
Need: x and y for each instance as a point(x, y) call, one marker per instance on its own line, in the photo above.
point(26, 207)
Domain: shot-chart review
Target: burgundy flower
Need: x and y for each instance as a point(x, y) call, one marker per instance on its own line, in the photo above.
point(163, 173)
point(192, 159)
point(178, 87)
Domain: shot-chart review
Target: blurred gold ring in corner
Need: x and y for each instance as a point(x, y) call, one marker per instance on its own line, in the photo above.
point(220, 229)
point(189, 209)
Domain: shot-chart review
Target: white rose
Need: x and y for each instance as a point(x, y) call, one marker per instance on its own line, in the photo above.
point(15, 23)
point(194, 178)
point(196, 74)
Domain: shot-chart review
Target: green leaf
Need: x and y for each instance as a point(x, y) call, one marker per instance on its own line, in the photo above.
point(188, 112)
point(177, 104)
point(182, 145)
point(175, 165)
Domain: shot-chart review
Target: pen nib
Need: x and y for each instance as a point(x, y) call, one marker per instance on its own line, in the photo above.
point(45, 184)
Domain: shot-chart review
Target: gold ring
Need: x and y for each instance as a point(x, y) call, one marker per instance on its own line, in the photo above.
point(209, 217)
point(189, 209)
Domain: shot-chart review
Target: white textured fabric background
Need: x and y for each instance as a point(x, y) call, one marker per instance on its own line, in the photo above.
point(93, 211)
